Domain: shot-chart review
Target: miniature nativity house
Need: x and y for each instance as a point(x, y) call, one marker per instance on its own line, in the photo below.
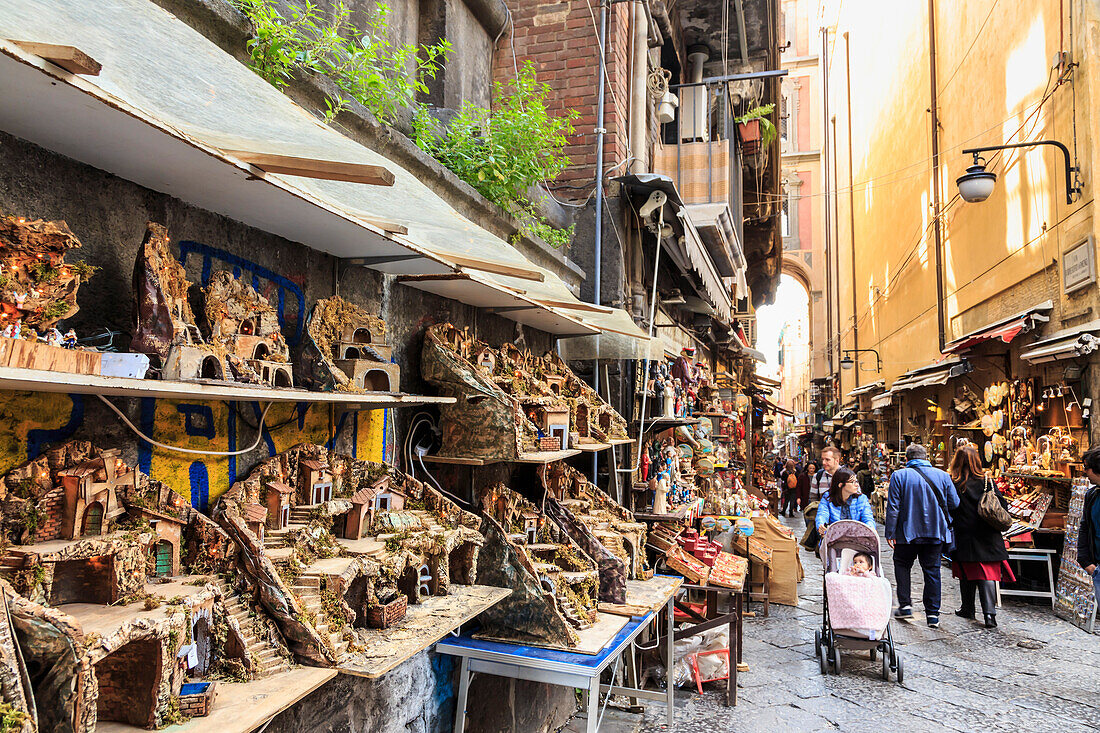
point(243, 341)
point(554, 583)
point(277, 497)
point(347, 350)
point(91, 501)
point(376, 537)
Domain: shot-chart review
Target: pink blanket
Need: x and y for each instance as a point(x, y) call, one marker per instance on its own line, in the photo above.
point(859, 604)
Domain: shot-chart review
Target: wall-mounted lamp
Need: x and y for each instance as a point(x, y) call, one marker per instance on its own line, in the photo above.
point(977, 183)
point(847, 362)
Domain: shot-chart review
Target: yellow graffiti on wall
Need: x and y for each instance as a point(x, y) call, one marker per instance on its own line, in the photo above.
point(31, 422)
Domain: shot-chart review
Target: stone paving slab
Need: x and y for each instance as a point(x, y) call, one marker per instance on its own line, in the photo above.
point(1035, 672)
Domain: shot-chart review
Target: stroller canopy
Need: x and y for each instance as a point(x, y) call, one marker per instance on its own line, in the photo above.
point(849, 534)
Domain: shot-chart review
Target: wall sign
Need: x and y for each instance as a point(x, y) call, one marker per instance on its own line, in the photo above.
point(1079, 266)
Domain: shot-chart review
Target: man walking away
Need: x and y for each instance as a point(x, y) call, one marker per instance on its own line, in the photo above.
point(1088, 541)
point(788, 489)
point(918, 526)
point(823, 479)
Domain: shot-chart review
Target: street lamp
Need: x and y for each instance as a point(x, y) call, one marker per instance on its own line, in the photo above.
point(847, 362)
point(977, 183)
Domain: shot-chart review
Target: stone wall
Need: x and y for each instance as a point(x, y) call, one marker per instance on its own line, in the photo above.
point(128, 680)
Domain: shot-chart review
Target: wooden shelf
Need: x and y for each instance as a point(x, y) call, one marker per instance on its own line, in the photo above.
point(424, 624)
point(34, 380)
point(540, 457)
point(1059, 479)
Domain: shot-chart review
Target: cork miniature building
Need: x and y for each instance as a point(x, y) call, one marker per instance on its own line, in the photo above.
point(610, 524)
point(108, 619)
point(554, 583)
point(510, 402)
point(370, 535)
point(242, 341)
point(347, 350)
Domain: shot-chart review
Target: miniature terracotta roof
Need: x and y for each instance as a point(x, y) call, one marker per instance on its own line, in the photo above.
point(255, 513)
point(280, 487)
point(364, 495)
point(81, 470)
point(311, 463)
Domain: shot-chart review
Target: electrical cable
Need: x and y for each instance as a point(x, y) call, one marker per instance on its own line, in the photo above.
point(971, 47)
point(147, 439)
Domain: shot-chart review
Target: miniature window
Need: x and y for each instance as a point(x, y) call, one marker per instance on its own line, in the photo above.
point(261, 352)
point(382, 503)
point(285, 516)
point(211, 368)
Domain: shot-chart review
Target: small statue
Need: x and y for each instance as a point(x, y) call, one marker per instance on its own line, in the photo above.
point(660, 498)
point(645, 465)
point(53, 337)
point(669, 400)
point(678, 390)
point(69, 342)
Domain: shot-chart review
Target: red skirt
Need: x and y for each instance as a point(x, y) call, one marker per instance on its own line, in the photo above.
point(998, 571)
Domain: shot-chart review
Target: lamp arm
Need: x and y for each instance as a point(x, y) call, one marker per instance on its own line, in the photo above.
point(1070, 168)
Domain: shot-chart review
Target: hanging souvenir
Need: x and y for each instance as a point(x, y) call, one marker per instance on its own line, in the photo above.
point(988, 451)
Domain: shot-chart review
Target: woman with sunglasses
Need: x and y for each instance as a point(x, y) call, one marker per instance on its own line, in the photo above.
point(845, 500)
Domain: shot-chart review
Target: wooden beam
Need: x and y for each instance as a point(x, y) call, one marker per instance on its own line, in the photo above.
point(575, 305)
point(331, 170)
point(69, 58)
point(498, 268)
point(385, 225)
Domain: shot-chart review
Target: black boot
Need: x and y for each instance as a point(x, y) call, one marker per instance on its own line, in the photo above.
point(987, 592)
point(966, 589)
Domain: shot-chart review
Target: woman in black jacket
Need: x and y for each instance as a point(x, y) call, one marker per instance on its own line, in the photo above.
point(979, 559)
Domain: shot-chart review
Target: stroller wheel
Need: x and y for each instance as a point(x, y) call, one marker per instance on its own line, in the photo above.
point(886, 667)
point(901, 671)
point(817, 642)
point(874, 653)
point(836, 661)
point(824, 663)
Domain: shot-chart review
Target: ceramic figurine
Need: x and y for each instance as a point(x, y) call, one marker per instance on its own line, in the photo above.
point(660, 499)
point(669, 400)
point(69, 342)
point(53, 337)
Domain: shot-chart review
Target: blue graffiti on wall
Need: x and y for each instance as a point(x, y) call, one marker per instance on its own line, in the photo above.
point(240, 266)
point(38, 440)
point(200, 486)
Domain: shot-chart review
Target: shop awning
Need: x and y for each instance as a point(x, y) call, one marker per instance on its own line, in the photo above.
point(931, 375)
point(715, 224)
point(1005, 329)
point(873, 387)
point(881, 401)
point(174, 113)
point(621, 338)
point(1069, 343)
point(768, 404)
point(688, 251)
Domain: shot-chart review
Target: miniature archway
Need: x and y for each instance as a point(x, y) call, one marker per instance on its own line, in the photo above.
point(211, 368)
point(204, 647)
point(247, 327)
point(129, 678)
point(582, 420)
point(462, 564)
point(361, 336)
point(376, 380)
point(282, 379)
point(352, 352)
point(261, 352)
point(92, 523)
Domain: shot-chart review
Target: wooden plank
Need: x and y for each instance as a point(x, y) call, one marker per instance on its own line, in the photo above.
point(575, 305)
point(384, 224)
point(37, 380)
point(330, 170)
point(240, 707)
point(654, 593)
point(591, 447)
point(459, 461)
point(592, 640)
point(546, 456)
point(498, 268)
point(623, 609)
point(69, 58)
point(424, 624)
point(25, 354)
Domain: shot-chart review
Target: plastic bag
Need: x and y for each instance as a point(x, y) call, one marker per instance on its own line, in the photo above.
point(715, 665)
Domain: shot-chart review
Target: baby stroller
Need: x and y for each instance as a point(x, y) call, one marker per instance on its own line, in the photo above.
point(862, 607)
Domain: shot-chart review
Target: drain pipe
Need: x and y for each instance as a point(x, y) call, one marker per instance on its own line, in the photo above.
point(597, 254)
point(638, 88)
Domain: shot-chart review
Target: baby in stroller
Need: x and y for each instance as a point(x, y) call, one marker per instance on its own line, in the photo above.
point(857, 602)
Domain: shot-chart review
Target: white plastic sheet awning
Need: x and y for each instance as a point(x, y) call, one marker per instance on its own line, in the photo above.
point(1069, 343)
point(881, 401)
point(931, 375)
point(872, 387)
point(172, 112)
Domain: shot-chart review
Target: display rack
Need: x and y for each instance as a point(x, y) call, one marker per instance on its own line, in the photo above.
point(34, 380)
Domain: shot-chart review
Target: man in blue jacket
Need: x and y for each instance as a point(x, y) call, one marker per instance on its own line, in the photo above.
point(1088, 540)
point(918, 527)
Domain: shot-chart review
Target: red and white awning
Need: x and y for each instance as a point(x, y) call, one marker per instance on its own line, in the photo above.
point(1006, 329)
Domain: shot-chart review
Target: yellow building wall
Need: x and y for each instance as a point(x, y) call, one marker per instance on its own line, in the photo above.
point(993, 75)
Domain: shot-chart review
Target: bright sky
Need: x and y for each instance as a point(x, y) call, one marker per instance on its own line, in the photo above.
point(791, 300)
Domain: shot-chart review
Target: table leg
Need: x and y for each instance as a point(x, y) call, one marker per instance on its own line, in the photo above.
point(632, 672)
point(731, 659)
point(463, 691)
point(670, 702)
point(1050, 580)
point(592, 704)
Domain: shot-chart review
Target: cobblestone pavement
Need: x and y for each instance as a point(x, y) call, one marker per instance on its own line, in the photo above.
point(1035, 672)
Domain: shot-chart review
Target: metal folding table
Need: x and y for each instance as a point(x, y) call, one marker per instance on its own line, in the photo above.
point(568, 669)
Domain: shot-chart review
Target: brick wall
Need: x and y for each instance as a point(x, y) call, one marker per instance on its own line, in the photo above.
point(51, 508)
point(128, 680)
point(561, 39)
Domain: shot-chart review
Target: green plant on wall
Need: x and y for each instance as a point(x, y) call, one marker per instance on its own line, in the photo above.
point(505, 151)
point(767, 127)
point(363, 63)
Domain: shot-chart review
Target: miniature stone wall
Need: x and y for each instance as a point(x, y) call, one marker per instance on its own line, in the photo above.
point(128, 683)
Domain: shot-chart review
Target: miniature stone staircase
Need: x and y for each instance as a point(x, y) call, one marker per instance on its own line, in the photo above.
point(299, 518)
point(267, 659)
point(301, 514)
point(308, 589)
point(569, 611)
point(12, 563)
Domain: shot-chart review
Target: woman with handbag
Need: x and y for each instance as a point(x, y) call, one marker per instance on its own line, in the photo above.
point(979, 559)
